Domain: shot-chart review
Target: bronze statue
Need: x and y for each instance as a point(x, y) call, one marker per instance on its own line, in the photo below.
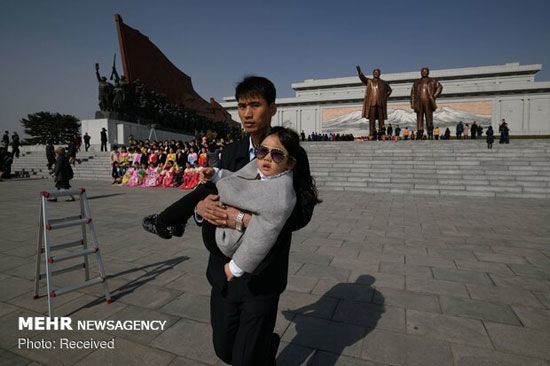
point(423, 94)
point(375, 105)
point(105, 91)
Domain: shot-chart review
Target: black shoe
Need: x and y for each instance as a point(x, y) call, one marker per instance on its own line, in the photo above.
point(177, 230)
point(150, 224)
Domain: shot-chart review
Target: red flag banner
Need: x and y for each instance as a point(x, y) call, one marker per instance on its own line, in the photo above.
point(142, 60)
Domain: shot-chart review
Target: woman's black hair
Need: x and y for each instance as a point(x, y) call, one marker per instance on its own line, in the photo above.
point(304, 183)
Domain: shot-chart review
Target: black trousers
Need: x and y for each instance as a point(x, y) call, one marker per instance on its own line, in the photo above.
point(184, 208)
point(242, 324)
point(103, 145)
point(243, 331)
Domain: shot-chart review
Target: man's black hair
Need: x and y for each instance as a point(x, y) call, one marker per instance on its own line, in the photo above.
point(256, 85)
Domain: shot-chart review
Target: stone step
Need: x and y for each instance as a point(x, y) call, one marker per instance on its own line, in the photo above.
point(441, 192)
point(457, 168)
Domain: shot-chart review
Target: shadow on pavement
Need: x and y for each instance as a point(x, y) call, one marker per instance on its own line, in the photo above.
point(354, 312)
point(152, 271)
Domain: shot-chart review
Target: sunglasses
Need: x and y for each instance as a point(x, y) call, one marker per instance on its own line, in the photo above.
point(277, 155)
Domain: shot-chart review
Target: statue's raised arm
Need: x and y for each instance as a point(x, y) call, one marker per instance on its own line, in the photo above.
point(97, 72)
point(362, 76)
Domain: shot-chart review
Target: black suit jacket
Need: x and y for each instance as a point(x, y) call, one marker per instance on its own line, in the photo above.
point(270, 278)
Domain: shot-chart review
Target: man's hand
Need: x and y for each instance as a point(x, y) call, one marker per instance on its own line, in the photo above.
point(96, 67)
point(228, 275)
point(211, 209)
point(358, 69)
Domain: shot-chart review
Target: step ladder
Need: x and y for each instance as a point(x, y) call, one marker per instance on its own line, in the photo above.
point(45, 247)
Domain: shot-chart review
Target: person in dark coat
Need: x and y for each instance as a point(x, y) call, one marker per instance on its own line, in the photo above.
point(63, 172)
point(15, 143)
point(50, 155)
point(447, 134)
point(490, 135)
point(244, 308)
point(474, 130)
point(213, 154)
point(103, 139)
point(6, 159)
point(181, 157)
point(71, 152)
point(86, 141)
point(6, 139)
point(459, 130)
point(504, 133)
point(397, 131)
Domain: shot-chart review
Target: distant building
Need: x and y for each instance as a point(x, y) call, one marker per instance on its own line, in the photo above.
point(485, 94)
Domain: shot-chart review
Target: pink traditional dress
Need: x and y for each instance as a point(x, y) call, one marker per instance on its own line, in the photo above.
point(168, 180)
point(187, 175)
point(137, 158)
point(134, 177)
point(151, 178)
point(160, 176)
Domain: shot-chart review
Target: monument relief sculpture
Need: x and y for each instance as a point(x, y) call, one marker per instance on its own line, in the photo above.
point(375, 105)
point(424, 92)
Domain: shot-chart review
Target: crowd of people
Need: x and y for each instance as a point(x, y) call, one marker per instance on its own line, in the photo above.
point(327, 137)
point(463, 131)
point(147, 163)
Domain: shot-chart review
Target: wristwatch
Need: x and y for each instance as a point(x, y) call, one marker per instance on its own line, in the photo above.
point(239, 221)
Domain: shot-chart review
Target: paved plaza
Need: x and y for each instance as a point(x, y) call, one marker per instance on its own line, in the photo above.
point(374, 279)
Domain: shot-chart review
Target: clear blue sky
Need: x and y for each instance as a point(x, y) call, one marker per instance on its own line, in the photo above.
point(48, 48)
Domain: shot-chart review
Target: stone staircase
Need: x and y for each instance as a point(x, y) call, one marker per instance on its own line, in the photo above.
point(457, 168)
point(33, 164)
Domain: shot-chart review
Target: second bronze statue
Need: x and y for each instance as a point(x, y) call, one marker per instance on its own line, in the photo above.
point(375, 105)
point(423, 94)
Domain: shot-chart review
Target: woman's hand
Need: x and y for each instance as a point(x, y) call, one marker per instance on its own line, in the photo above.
point(232, 213)
point(206, 174)
point(228, 275)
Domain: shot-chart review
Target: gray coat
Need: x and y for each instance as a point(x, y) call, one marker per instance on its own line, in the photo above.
point(270, 201)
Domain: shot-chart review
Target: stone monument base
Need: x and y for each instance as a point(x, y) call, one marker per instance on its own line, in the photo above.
point(119, 131)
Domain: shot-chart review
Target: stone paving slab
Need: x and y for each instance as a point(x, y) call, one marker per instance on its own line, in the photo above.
point(374, 279)
point(452, 328)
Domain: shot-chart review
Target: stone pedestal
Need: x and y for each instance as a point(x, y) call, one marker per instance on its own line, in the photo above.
point(119, 131)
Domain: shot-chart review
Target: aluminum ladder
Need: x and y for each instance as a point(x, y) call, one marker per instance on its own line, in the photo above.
point(47, 224)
